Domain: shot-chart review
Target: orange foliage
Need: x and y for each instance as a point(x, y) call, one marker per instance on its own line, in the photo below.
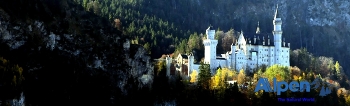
point(278, 77)
point(295, 77)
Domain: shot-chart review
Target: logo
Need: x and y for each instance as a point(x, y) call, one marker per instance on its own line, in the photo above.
point(294, 86)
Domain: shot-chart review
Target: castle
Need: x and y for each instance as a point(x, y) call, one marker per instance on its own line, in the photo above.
point(245, 54)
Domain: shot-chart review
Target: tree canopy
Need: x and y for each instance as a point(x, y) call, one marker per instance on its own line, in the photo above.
point(281, 73)
point(204, 75)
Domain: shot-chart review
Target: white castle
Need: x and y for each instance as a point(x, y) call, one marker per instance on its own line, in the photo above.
point(244, 54)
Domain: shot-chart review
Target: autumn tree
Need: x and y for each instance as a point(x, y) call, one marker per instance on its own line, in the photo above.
point(231, 74)
point(11, 78)
point(194, 75)
point(337, 68)
point(295, 72)
point(117, 24)
point(347, 100)
point(281, 73)
point(241, 77)
point(221, 77)
point(160, 68)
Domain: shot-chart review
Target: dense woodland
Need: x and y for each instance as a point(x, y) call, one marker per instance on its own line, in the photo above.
point(67, 80)
point(175, 26)
point(161, 26)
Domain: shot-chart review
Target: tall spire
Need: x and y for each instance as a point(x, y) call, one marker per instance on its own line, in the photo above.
point(277, 15)
point(258, 29)
point(241, 39)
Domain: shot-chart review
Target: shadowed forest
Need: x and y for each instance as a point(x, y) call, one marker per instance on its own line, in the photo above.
point(119, 31)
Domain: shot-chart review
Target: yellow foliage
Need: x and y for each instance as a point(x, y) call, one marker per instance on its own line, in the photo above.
point(222, 75)
point(255, 77)
point(215, 82)
point(259, 93)
point(194, 75)
point(347, 100)
point(278, 77)
point(296, 78)
point(241, 77)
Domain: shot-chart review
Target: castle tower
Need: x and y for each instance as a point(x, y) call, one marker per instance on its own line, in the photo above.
point(277, 33)
point(168, 63)
point(190, 64)
point(210, 48)
point(233, 55)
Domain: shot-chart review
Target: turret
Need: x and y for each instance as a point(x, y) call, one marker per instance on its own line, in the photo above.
point(254, 39)
point(289, 45)
point(258, 29)
point(268, 40)
point(210, 33)
point(190, 64)
point(263, 41)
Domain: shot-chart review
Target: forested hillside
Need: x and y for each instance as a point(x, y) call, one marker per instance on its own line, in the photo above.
point(319, 26)
point(85, 52)
point(53, 52)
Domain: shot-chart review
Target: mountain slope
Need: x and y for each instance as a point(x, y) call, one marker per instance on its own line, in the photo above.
point(70, 56)
point(320, 26)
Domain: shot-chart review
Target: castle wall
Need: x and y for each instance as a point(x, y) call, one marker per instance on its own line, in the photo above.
point(243, 55)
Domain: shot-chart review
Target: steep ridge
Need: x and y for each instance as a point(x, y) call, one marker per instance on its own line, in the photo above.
point(70, 55)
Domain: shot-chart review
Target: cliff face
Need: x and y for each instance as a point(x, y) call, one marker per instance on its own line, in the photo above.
point(68, 53)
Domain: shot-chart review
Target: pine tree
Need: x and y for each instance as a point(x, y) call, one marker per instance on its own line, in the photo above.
point(204, 75)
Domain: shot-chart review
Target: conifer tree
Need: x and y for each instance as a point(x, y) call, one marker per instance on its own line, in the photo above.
point(204, 75)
